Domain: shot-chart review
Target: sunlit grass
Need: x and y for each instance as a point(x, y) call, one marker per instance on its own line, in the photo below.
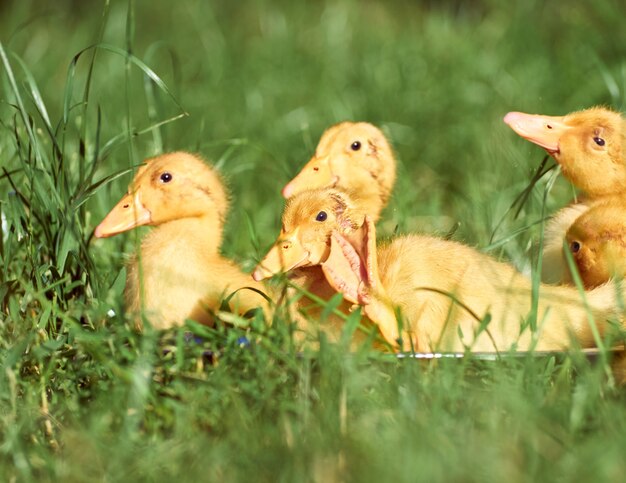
point(88, 90)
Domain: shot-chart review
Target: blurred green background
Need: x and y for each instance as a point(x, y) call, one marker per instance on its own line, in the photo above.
point(271, 76)
point(260, 81)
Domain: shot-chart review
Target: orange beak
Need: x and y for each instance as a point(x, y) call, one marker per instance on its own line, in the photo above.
point(286, 254)
point(315, 174)
point(545, 131)
point(128, 213)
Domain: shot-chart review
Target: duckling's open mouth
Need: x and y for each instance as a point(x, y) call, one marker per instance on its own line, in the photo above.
point(544, 131)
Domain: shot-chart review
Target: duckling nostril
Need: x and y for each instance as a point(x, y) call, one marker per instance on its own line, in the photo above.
point(286, 245)
point(548, 126)
point(126, 205)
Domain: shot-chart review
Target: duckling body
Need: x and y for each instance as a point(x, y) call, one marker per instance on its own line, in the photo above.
point(351, 156)
point(590, 148)
point(440, 287)
point(193, 286)
point(307, 313)
point(179, 273)
point(419, 275)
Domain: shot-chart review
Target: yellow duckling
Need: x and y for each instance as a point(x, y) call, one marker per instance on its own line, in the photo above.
point(597, 242)
point(589, 145)
point(179, 273)
point(354, 156)
point(441, 288)
point(288, 253)
point(351, 156)
point(590, 148)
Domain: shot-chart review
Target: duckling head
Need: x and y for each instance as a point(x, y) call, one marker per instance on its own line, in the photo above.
point(597, 241)
point(169, 187)
point(353, 156)
point(308, 222)
point(589, 145)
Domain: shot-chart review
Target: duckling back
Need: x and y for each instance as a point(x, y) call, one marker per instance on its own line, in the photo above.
point(445, 291)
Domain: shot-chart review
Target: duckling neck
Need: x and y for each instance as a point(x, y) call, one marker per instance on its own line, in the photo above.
point(198, 235)
point(369, 195)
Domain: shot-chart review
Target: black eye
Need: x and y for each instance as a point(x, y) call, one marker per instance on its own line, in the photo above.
point(599, 141)
point(166, 177)
point(321, 216)
point(575, 246)
point(355, 146)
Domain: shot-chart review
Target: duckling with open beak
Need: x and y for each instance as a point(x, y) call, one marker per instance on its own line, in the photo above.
point(300, 249)
point(425, 293)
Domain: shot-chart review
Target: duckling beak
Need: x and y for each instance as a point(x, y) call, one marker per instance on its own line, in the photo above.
point(127, 214)
point(545, 131)
point(315, 174)
point(288, 253)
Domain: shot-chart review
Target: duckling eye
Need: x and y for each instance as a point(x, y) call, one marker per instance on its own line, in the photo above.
point(599, 141)
point(166, 177)
point(575, 246)
point(321, 216)
point(355, 146)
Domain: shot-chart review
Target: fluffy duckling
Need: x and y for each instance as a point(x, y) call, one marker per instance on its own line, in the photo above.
point(351, 156)
point(179, 273)
point(590, 147)
point(597, 242)
point(289, 255)
point(442, 289)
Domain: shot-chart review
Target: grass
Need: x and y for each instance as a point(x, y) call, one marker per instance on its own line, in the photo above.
point(252, 85)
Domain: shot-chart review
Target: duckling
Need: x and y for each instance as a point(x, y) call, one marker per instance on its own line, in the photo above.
point(597, 242)
point(286, 255)
point(442, 289)
point(590, 147)
point(352, 156)
point(179, 273)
